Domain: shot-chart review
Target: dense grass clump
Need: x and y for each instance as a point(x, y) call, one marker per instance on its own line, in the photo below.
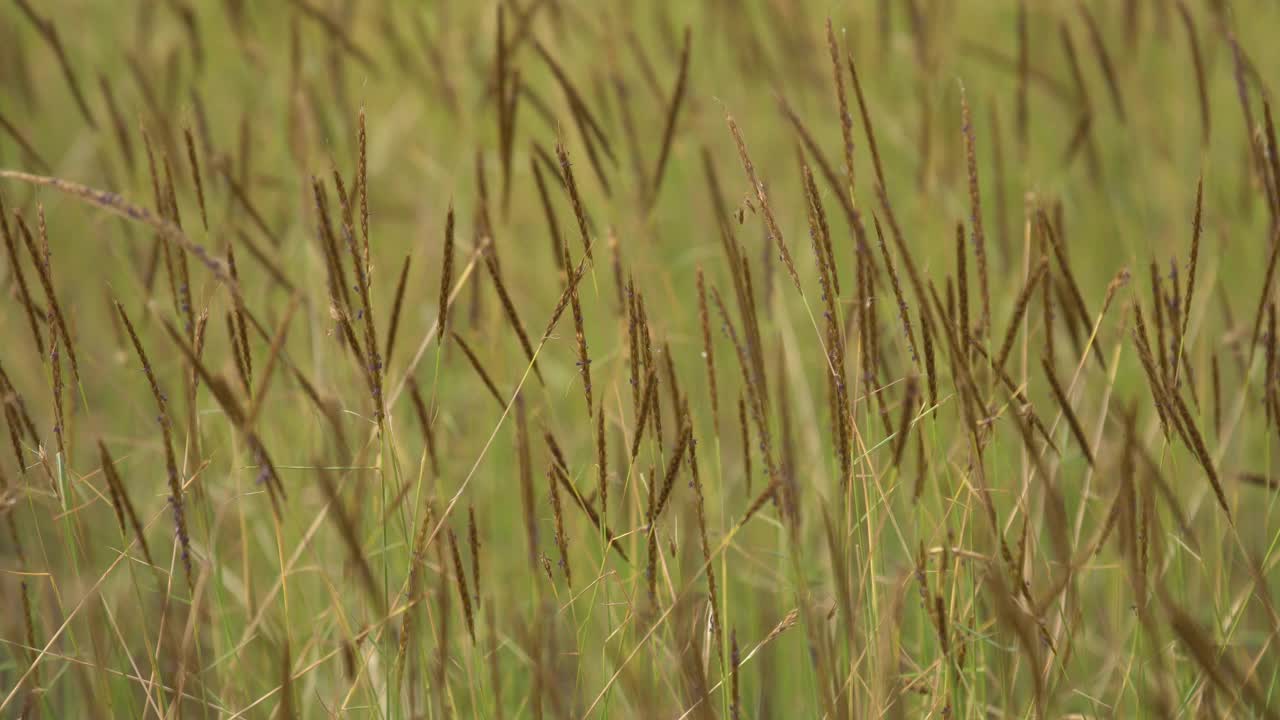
point(530, 359)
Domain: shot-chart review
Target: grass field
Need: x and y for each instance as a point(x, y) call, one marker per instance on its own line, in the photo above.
point(542, 358)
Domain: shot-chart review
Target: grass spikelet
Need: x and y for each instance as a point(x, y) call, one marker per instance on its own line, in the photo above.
point(171, 465)
point(509, 308)
point(268, 264)
point(49, 32)
point(846, 120)
point(393, 325)
point(575, 199)
point(1104, 61)
point(506, 126)
point(562, 541)
point(32, 155)
point(895, 231)
point(735, 663)
point(526, 480)
point(362, 180)
point(557, 455)
point(339, 34)
point(673, 114)
point(1077, 430)
point(239, 334)
point(14, 402)
point(241, 193)
point(633, 345)
point(866, 122)
point(751, 331)
point(712, 591)
point(1269, 377)
point(257, 398)
point(975, 211)
point(196, 178)
point(642, 416)
point(1197, 64)
point(769, 493)
point(746, 440)
point(185, 305)
point(904, 313)
point(602, 464)
point(651, 539)
point(479, 368)
point(929, 363)
point(460, 576)
point(1268, 277)
point(673, 468)
point(428, 427)
point(757, 189)
point(837, 392)
point(513, 106)
point(1158, 305)
point(118, 124)
point(587, 125)
point(557, 241)
point(708, 350)
point(965, 388)
point(1196, 227)
point(446, 277)
point(1173, 305)
point(346, 225)
point(580, 335)
point(362, 267)
point(904, 420)
point(786, 452)
point(646, 337)
point(840, 189)
point(1001, 192)
point(15, 439)
point(1083, 135)
point(1273, 153)
point(820, 232)
point(571, 286)
point(161, 205)
point(120, 500)
point(1073, 63)
point(237, 353)
point(40, 258)
point(1201, 452)
point(1048, 319)
point(16, 269)
point(1019, 311)
point(962, 282)
point(197, 342)
point(474, 542)
point(1076, 296)
point(871, 356)
point(1155, 380)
